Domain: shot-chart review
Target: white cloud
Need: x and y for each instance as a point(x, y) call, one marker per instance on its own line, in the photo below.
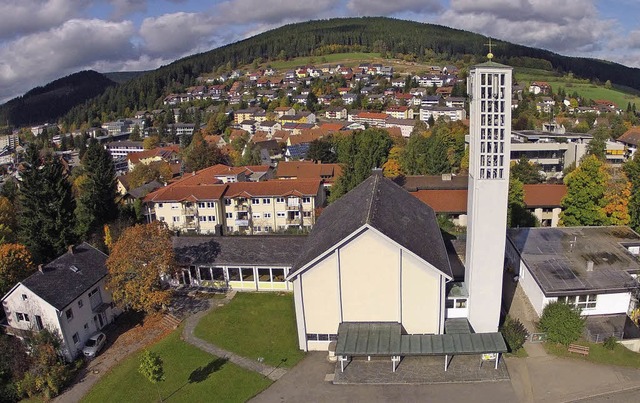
point(176, 34)
point(122, 8)
point(38, 58)
point(25, 16)
point(271, 11)
point(387, 7)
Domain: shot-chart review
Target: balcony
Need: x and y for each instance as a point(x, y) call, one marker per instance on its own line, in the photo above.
point(242, 223)
point(241, 207)
point(191, 210)
point(293, 207)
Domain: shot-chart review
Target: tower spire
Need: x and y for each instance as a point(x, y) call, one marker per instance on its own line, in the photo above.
point(490, 45)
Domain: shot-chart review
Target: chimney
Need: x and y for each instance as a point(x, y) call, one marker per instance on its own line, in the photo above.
point(589, 265)
point(40, 268)
point(70, 249)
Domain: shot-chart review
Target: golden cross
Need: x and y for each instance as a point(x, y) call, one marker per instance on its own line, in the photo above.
point(489, 55)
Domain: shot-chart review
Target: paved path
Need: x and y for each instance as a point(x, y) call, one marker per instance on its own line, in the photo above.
point(191, 322)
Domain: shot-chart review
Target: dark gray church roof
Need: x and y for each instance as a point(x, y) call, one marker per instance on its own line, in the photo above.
point(69, 276)
point(386, 207)
point(558, 258)
point(238, 250)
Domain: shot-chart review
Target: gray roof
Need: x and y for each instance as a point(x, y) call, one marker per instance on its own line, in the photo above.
point(557, 258)
point(386, 207)
point(280, 250)
point(142, 191)
point(69, 276)
point(413, 183)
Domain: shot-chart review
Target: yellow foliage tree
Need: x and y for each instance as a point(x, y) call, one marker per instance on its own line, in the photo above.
point(15, 265)
point(617, 198)
point(139, 258)
point(392, 167)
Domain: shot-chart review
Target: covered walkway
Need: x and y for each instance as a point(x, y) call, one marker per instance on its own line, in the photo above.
point(385, 339)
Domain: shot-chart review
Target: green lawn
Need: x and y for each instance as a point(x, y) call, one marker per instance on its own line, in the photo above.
point(255, 325)
point(599, 354)
point(191, 375)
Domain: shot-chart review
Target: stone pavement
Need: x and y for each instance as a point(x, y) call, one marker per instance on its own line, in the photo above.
point(191, 322)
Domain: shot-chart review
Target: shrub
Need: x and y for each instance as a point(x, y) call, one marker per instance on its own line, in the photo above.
point(561, 322)
point(514, 333)
point(610, 343)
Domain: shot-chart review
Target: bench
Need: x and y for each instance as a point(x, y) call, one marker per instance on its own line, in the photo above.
point(576, 348)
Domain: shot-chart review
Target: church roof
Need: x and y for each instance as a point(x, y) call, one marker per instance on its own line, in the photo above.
point(388, 208)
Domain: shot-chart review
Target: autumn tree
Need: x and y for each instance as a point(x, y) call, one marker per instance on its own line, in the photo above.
point(616, 200)
point(584, 201)
point(632, 170)
point(48, 372)
point(15, 265)
point(150, 142)
point(97, 193)
point(200, 154)
point(138, 260)
point(145, 173)
point(46, 216)
point(392, 168)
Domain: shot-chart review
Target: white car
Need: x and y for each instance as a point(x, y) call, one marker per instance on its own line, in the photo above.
point(93, 346)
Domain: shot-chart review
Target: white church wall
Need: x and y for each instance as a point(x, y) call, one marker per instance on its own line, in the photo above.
point(321, 299)
point(532, 289)
point(370, 281)
point(420, 296)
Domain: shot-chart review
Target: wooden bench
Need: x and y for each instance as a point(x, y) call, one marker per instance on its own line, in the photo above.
point(576, 348)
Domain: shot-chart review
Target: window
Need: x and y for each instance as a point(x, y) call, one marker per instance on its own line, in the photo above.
point(264, 275)
point(580, 301)
point(202, 218)
point(201, 204)
point(211, 218)
point(69, 314)
point(24, 297)
point(218, 273)
point(176, 219)
point(227, 202)
point(76, 338)
point(277, 275)
point(234, 274)
point(306, 213)
point(80, 303)
point(257, 215)
point(229, 215)
point(306, 200)
point(267, 215)
point(257, 229)
point(210, 204)
point(161, 219)
point(174, 206)
point(268, 228)
point(205, 274)
point(160, 205)
point(255, 201)
point(19, 316)
point(321, 337)
point(266, 201)
point(280, 200)
point(281, 214)
point(247, 274)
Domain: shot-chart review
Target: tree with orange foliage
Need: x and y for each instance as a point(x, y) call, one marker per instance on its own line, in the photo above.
point(392, 167)
point(15, 265)
point(141, 256)
point(617, 198)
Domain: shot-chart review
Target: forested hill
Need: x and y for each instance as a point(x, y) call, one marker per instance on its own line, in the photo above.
point(49, 103)
point(386, 35)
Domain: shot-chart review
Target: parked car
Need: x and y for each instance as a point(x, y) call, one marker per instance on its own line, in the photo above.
point(93, 346)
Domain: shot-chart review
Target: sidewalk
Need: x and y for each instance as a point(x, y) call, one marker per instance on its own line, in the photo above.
point(191, 322)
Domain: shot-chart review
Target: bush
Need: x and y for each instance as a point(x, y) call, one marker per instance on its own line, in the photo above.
point(514, 333)
point(562, 323)
point(610, 343)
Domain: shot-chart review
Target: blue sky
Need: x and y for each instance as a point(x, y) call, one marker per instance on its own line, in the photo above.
point(41, 40)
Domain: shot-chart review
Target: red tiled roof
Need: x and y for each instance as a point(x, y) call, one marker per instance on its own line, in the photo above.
point(177, 192)
point(329, 127)
point(372, 115)
point(273, 188)
point(544, 195)
point(308, 170)
point(444, 200)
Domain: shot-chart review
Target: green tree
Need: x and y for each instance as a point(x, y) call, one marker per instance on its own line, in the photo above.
point(322, 150)
point(561, 322)
point(8, 223)
point(598, 144)
point(135, 133)
point(585, 198)
point(47, 372)
point(517, 213)
point(632, 170)
point(46, 215)
point(97, 194)
point(526, 172)
point(152, 368)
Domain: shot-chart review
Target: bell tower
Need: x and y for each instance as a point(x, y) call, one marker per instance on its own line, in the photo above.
point(489, 87)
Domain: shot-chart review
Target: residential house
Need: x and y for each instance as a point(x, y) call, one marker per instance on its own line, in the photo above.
point(399, 112)
point(373, 119)
point(540, 87)
point(405, 125)
point(336, 112)
point(328, 173)
point(631, 139)
point(246, 114)
point(123, 148)
point(66, 296)
point(168, 154)
point(452, 114)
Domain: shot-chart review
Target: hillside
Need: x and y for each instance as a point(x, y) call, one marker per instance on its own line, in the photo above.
point(121, 77)
point(394, 38)
point(48, 103)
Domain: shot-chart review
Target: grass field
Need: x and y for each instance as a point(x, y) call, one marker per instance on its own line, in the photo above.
point(191, 375)
point(599, 354)
point(255, 325)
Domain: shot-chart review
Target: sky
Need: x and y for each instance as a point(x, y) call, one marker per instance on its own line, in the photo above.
point(42, 40)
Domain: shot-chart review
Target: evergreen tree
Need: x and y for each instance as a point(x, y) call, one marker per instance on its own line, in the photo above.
point(97, 194)
point(585, 199)
point(201, 154)
point(526, 172)
point(632, 169)
point(46, 218)
point(322, 150)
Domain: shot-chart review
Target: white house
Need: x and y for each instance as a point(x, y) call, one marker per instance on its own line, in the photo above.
point(66, 296)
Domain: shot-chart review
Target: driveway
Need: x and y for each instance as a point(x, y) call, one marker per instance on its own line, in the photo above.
point(306, 383)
